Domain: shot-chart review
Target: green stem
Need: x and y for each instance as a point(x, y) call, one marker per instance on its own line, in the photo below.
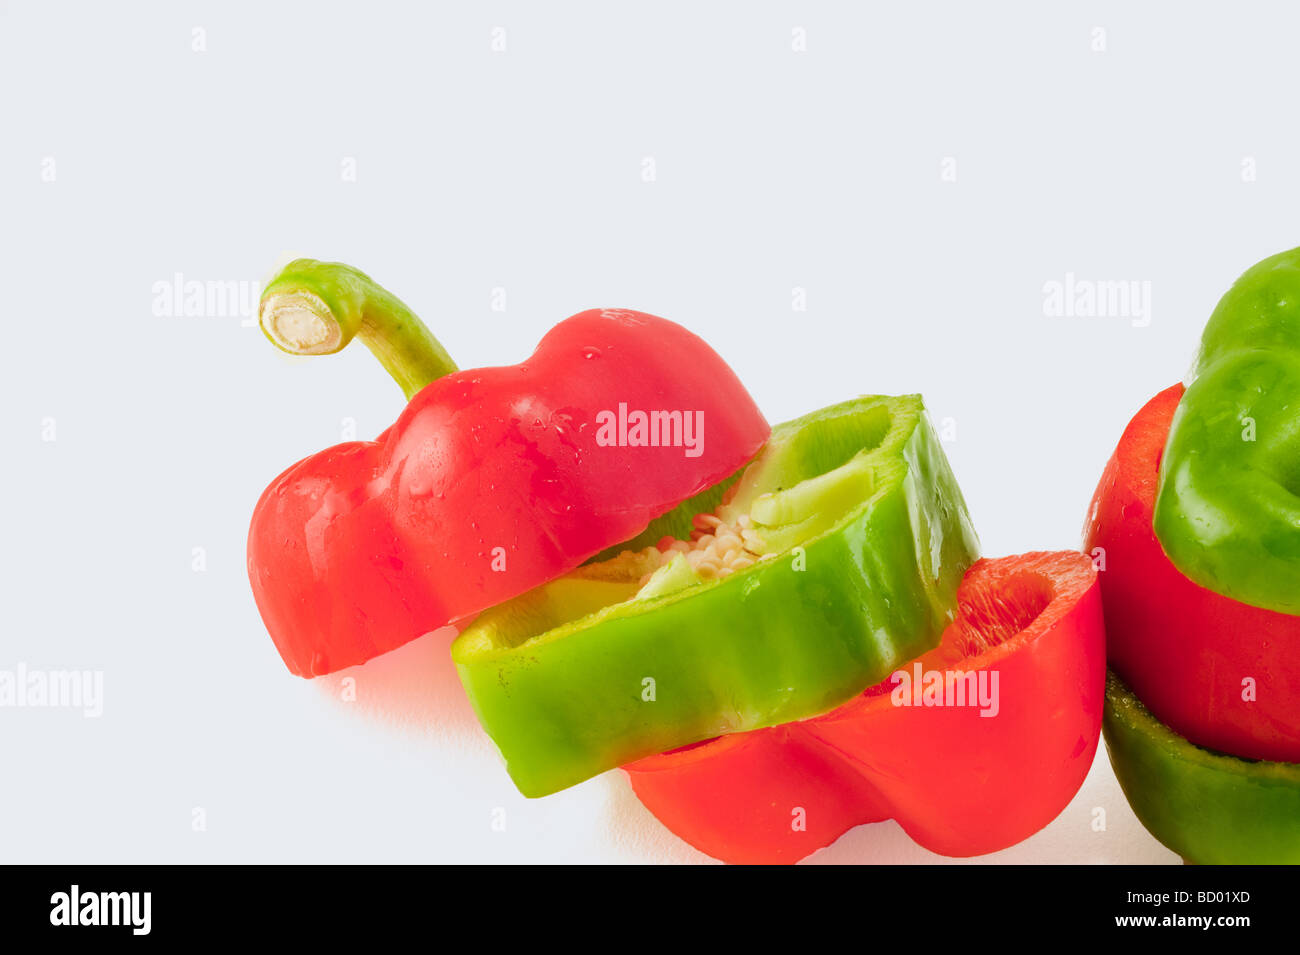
point(316, 308)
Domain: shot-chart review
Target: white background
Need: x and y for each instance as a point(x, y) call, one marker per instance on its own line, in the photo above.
point(1163, 149)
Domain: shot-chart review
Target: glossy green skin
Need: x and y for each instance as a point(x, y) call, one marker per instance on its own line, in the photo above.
point(1227, 511)
point(767, 645)
point(1209, 808)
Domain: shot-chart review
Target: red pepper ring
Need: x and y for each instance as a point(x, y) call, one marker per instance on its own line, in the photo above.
point(958, 782)
point(1184, 650)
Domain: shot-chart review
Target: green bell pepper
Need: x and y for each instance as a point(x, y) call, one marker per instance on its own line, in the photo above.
point(833, 558)
point(1228, 507)
point(1209, 808)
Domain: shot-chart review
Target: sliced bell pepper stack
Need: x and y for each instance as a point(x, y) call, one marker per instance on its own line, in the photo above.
point(492, 480)
point(1207, 807)
point(1185, 650)
point(1227, 510)
point(962, 780)
point(1197, 520)
point(834, 557)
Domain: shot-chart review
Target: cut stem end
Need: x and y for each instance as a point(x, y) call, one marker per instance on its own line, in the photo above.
point(300, 323)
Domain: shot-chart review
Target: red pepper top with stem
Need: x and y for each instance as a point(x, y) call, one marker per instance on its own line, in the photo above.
point(492, 480)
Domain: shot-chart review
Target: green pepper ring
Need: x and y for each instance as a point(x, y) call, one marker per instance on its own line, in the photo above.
point(557, 675)
point(1207, 807)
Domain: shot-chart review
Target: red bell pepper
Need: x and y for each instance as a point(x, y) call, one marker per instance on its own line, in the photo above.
point(492, 481)
point(1184, 650)
point(1028, 645)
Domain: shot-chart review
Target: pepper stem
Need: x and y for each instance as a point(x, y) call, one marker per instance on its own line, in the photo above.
point(316, 308)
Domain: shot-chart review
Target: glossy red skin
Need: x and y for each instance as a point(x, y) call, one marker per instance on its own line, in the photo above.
point(364, 546)
point(960, 784)
point(1183, 649)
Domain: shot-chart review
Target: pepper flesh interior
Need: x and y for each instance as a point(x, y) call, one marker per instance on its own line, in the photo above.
point(990, 616)
point(729, 539)
point(799, 486)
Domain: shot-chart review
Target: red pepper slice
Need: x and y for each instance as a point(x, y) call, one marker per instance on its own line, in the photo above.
point(492, 481)
point(1185, 650)
point(960, 783)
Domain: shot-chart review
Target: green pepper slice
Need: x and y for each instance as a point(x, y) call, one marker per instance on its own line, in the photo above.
point(1228, 508)
point(834, 557)
point(1207, 807)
